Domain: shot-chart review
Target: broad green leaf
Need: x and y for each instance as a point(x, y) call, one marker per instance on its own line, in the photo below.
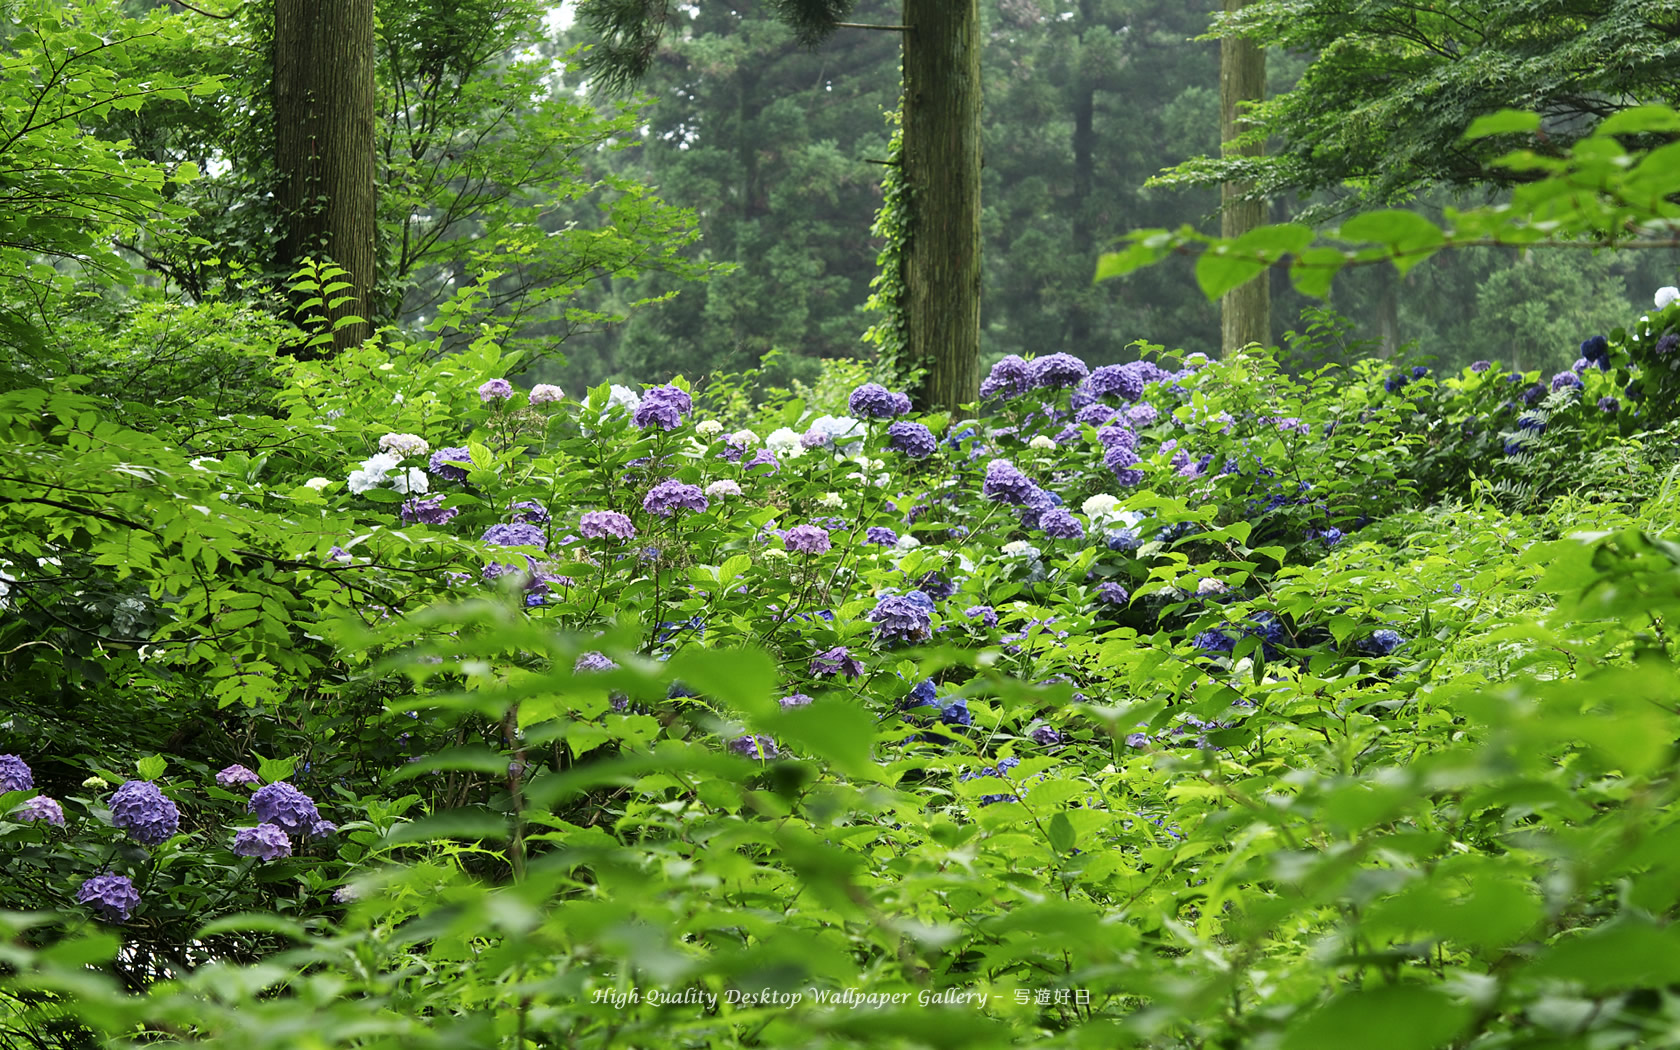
point(1504, 122)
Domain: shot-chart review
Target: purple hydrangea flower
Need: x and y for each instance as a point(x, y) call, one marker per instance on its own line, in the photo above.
point(1118, 437)
point(1142, 414)
point(793, 700)
point(668, 497)
point(881, 535)
point(602, 524)
point(1058, 524)
point(1111, 593)
point(838, 660)
point(265, 842)
point(1609, 404)
point(750, 746)
point(1096, 415)
point(235, 775)
point(594, 661)
point(999, 770)
point(1125, 381)
point(322, 828)
point(874, 401)
point(528, 511)
point(903, 618)
point(429, 511)
point(1010, 377)
point(984, 613)
point(912, 439)
point(495, 390)
point(1597, 351)
point(113, 896)
point(1044, 736)
point(40, 808)
point(140, 809)
point(1057, 370)
point(663, 407)
point(1665, 346)
point(1480, 366)
point(515, 534)
point(442, 463)
point(1566, 380)
point(764, 457)
point(15, 774)
point(806, 539)
point(1006, 484)
point(1123, 462)
point(956, 713)
point(283, 805)
point(1382, 642)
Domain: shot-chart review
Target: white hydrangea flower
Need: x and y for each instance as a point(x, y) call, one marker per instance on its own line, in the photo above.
point(725, 487)
point(382, 462)
point(743, 437)
point(708, 428)
point(1020, 548)
point(1666, 295)
point(1041, 441)
point(908, 542)
point(775, 552)
point(838, 428)
point(413, 482)
point(1208, 585)
point(623, 397)
point(546, 393)
point(831, 499)
point(882, 480)
point(404, 445)
point(396, 399)
point(317, 483)
point(361, 481)
point(1102, 505)
point(785, 440)
point(198, 464)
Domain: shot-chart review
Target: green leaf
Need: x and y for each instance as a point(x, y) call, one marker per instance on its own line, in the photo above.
point(469, 824)
point(1504, 122)
point(1409, 237)
point(1626, 954)
point(474, 759)
point(1220, 269)
point(276, 769)
point(1148, 247)
point(1062, 837)
point(151, 767)
point(1395, 1017)
point(1313, 270)
point(1639, 120)
point(742, 678)
point(837, 731)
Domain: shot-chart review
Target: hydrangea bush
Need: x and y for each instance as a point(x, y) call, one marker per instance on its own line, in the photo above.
point(1169, 703)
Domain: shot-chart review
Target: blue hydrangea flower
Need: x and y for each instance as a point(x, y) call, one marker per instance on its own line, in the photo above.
point(984, 613)
point(140, 809)
point(515, 534)
point(956, 713)
point(874, 401)
point(265, 842)
point(1480, 366)
point(1111, 593)
point(530, 511)
point(15, 774)
point(1597, 351)
point(903, 618)
point(880, 535)
point(925, 694)
point(1044, 736)
point(1609, 404)
point(1382, 642)
point(1057, 370)
point(1123, 462)
point(663, 407)
point(999, 770)
point(836, 661)
point(668, 497)
point(750, 746)
point(1058, 524)
point(1006, 484)
point(1124, 381)
point(1566, 381)
point(1010, 377)
point(1122, 540)
point(1118, 436)
point(39, 808)
point(912, 439)
point(112, 896)
point(285, 806)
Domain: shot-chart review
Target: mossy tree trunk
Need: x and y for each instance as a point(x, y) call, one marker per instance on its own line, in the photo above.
point(1245, 314)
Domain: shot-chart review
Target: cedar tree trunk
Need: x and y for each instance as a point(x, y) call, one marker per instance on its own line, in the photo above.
point(1245, 314)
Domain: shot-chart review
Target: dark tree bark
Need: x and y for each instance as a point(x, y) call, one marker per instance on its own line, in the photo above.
point(324, 104)
point(942, 171)
point(1245, 313)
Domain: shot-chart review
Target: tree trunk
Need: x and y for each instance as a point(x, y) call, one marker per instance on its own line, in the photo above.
point(1245, 314)
point(324, 100)
point(942, 174)
point(1084, 181)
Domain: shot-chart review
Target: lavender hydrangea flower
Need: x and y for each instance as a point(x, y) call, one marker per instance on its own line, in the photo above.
point(15, 774)
point(836, 661)
point(442, 463)
point(140, 809)
point(1057, 370)
point(1382, 642)
point(1111, 593)
point(793, 700)
point(604, 524)
point(1142, 414)
point(1123, 462)
point(903, 618)
point(984, 613)
point(528, 511)
point(1006, 484)
point(806, 539)
point(594, 661)
point(750, 746)
point(764, 457)
point(322, 828)
point(235, 775)
point(40, 808)
point(1665, 346)
point(1058, 524)
point(515, 534)
point(1566, 380)
point(1010, 377)
point(1609, 404)
point(285, 806)
point(1044, 736)
point(1480, 366)
point(113, 896)
point(265, 842)
point(874, 401)
point(880, 535)
point(495, 390)
point(546, 393)
point(912, 439)
point(1118, 437)
point(663, 407)
point(430, 511)
point(668, 497)
point(1126, 381)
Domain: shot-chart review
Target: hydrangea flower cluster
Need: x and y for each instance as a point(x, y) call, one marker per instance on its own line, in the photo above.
point(546, 394)
point(606, 524)
point(140, 809)
point(403, 445)
point(912, 439)
point(874, 401)
point(265, 842)
point(236, 775)
point(39, 808)
point(443, 463)
point(429, 511)
point(762, 748)
point(903, 618)
point(515, 534)
point(377, 471)
point(286, 807)
point(806, 539)
point(836, 661)
point(668, 497)
point(880, 535)
point(112, 896)
point(663, 407)
point(15, 774)
point(495, 390)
